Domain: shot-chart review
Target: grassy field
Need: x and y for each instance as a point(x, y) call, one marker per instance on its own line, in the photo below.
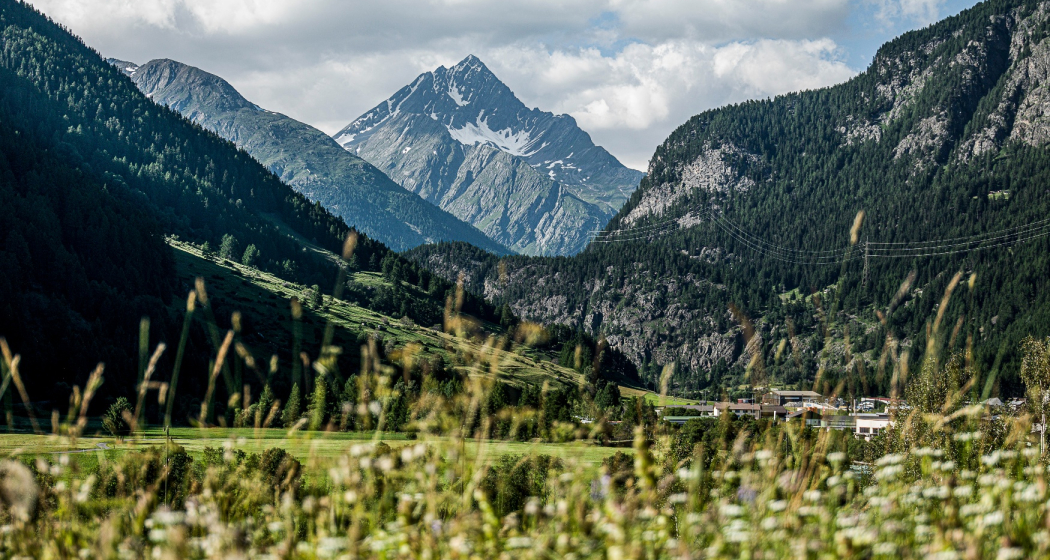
point(318, 451)
point(656, 399)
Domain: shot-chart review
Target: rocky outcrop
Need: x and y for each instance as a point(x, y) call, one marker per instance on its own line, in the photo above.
point(858, 131)
point(712, 172)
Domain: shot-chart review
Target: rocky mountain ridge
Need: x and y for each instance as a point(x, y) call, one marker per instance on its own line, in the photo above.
point(303, 157)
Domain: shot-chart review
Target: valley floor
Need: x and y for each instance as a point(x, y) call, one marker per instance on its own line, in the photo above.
point(317, 451)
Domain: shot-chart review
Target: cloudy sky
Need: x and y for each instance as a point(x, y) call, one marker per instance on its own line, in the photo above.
point(629, 71)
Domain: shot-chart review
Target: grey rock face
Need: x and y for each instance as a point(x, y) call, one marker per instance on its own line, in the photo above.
point(460, 138)
point(711, 171)
point(305, 158)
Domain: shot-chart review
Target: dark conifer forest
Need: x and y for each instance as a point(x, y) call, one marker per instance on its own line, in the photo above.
point(94, 176)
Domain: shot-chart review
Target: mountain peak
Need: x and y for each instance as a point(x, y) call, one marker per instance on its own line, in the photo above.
point(473, 61)
point(531, 158)
point(470, 80)
point(194, 87)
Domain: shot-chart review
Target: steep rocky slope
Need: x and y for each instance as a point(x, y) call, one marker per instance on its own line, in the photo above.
point(745, 217)
point(304, 158)
point(460, 138)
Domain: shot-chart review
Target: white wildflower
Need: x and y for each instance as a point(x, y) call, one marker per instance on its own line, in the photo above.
point(993, 518)
point(1009, 554)
point(731, 510)
point(889, 459)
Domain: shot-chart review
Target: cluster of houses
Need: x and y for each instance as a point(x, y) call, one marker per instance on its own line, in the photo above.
point(802, 406)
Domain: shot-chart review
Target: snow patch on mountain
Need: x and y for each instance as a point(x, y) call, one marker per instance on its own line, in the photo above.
point(453, 92)
point(515, 143)
point(124, 66)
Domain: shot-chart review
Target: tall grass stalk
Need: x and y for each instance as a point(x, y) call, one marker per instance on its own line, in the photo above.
point(191, 306)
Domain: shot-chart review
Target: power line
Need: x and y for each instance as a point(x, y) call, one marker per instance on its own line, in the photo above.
point(1020, 231)
point(1039, 223)
point(936, 247)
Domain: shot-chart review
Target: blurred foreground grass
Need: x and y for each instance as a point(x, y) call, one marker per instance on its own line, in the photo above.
point(951, 478)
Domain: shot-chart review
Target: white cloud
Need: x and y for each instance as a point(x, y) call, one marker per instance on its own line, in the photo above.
point(99, 13)
point(235, 16)
point(727, 20)
point(638, 95)
point(916, 11)
point(629, 71)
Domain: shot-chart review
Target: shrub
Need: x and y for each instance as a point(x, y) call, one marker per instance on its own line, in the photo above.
point(114, 420)
point(160, 471)
point(513, 479)
point(280, 470)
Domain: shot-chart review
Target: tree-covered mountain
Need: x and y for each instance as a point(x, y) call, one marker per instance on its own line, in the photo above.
point(460, 138)
point(744, 221)
point(93, 175)
point(303, 157)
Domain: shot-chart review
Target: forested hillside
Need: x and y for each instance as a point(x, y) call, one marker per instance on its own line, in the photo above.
point(941, 143)
point(93, 175)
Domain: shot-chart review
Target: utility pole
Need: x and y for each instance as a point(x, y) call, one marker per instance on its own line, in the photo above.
point(167, 443)
point(864, 284)
point(1042, 425)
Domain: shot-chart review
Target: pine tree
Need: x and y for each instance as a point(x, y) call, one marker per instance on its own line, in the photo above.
point(293, 409)
point(251, 254)
point(316, 299)
point(397, 411)
point(289, 268)
point(263, 406)
point(608, 397)
point(318, 409)
point(349, 391)
point(497, 399)
point(506, 317)
point(228, 248)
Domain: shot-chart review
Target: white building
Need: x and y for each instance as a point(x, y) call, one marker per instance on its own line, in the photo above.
point(873, 424)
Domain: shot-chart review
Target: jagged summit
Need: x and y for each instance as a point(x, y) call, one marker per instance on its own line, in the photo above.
point(457, 97)
point(477, 108)
point(549, 173)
